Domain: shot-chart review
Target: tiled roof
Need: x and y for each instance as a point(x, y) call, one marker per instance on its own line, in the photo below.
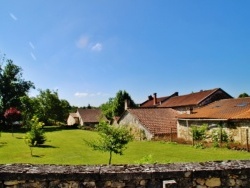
point(90, 115)
point(192, 99)
point(150, 102)
point(223, 109)
point(156, 120)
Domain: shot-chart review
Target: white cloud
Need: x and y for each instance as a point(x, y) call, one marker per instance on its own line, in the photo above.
point(78, 94)
point(84, 94)
point(82, 42)
point(31, 45)
point(33, 56)
point(97, 47)
point(13, 16)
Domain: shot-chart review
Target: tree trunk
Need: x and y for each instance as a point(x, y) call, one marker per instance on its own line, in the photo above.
point(110, 157)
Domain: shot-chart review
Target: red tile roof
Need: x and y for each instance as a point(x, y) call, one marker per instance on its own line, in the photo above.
point(150, 102)
point(223, 109)
point(90, 115)
point(193, 99)
point(156, 120)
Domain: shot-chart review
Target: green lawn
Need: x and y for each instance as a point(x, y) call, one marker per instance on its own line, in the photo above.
point(68, 147)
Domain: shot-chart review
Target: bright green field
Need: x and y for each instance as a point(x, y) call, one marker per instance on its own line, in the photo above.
point(68, 147)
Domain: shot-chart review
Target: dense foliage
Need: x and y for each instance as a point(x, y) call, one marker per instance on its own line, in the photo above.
point(12, 86)
point(49, 108)
point(12, 114)
point(243, 95)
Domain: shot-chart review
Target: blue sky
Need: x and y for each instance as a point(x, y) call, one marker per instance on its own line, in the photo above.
point(89, 50)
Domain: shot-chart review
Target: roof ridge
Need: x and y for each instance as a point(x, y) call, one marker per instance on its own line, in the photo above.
point(212, 92)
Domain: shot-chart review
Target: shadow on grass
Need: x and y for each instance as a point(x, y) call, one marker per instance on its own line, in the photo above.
point(18, 137)
point(37, 156)
point(46, 146)
point(3, 144)
point(58, 128)
point(45, 128)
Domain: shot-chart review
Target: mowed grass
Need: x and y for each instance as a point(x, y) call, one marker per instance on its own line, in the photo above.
point(68, 147)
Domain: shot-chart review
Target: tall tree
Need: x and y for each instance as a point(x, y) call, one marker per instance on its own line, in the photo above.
point(119, 102)
point(115, 106)
point(12, 86)
point(50, 108)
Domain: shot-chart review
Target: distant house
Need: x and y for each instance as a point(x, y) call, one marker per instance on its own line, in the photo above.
point(233, 114)
point(85, 117)
point(150, 123)
point(185, 103)
point(73, 119)
point(154, 101)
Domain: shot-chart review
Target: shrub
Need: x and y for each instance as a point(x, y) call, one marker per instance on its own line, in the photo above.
point(199, 132)
point(36, 135)
point(219, 136)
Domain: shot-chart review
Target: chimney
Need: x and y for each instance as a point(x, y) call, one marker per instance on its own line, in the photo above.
point(126, 104)
point(150, 97)
point(176, 94)
point(155, 98)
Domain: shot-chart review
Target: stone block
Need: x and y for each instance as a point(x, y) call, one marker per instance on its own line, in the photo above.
point(213, 182)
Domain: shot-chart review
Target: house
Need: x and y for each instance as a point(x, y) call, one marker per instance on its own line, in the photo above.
point(73, 119)
point(85, 117)
point(154, 101)
point(185, 103)
point(232, 114)
point(150, 123)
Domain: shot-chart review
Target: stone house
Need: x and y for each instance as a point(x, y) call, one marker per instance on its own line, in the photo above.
point(150, 123)
point(186, 103)
point(87, 117)
point(232, 114)
point(155, 123)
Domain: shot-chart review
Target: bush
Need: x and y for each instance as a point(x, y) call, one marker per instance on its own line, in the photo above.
point(219, 136)
point(199, 132)
point(36, 135)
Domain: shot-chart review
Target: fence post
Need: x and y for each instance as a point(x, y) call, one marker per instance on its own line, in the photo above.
point(193, 137)
point(247, 140)
point(171, 134)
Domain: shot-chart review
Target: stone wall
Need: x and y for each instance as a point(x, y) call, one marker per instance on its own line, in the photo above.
point(237, 130)
point(200, 175)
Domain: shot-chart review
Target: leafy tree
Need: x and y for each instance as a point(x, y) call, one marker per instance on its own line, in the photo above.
point(12, 115)
point(35, 136)
point(12, 86)
point(243, 95)
point(50, 109)
point(119, 102)
point(115, 106)
point(107, 108)
point(112, 139)
point(28, 108)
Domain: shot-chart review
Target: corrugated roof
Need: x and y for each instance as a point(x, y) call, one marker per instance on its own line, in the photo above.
point(189, 99)
point(222, 109)
point(90, 115)
point(156, 120)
